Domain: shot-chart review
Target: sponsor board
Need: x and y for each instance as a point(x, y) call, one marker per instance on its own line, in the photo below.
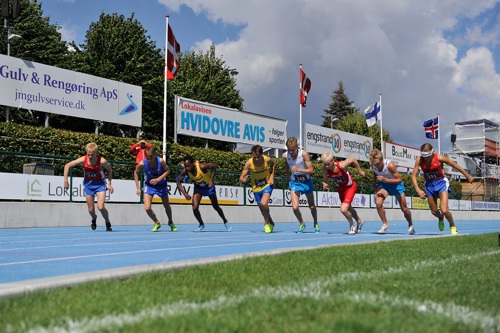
point(319, 139)
point(30, 85)
point(211, 121)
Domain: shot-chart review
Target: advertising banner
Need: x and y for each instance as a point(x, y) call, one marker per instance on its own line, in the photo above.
point(319, 139)
point(31, 187)
point(215, 122)
point(402, 156)
point(30, 85)
point(332, 199)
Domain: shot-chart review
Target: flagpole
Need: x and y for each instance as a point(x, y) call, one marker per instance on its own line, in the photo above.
point(381, 131)
point(439, 136)
point(300, 107)
point(165, 95)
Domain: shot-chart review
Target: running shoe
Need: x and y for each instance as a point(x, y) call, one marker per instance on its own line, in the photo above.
point(156, 227)
point(316, 228)
point(228, 227)
point(200, 228)
point(383, 229)
point(108, 227)
point(271, 225)
point(352, 230)
point(453, 230)
point(93, 225)
point(411, 230)
point(302, 227)
point(441, 225)
point(172, 226)
point(267, 229)
point(359, 226)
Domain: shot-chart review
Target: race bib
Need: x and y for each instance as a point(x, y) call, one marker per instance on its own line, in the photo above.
point(300, 178)
point(261, 182)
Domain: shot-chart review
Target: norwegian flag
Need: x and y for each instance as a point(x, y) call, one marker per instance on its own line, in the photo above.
point(172, 54)
point(305, 86)
point(431, 128)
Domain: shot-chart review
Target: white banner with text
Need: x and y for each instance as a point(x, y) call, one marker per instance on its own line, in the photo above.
point(31, 187)
point(319, 139)
point(30, 85)
point(215, 122)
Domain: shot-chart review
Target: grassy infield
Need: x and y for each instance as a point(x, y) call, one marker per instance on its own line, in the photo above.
point(448, 284)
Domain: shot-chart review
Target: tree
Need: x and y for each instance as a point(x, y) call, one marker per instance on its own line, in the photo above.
point(117, 48)
point(348, 118)
point(340, 107)
point(41, 42)
point(205, 78)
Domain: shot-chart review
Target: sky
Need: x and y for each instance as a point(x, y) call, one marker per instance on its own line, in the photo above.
point(425, 57)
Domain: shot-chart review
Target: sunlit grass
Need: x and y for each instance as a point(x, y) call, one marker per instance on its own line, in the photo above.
point(447, 284)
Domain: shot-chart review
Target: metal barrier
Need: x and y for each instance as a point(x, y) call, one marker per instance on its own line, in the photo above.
point(29, 163)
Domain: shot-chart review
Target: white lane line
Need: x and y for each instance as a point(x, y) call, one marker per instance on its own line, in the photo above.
point(210, 246)
point(315, 290)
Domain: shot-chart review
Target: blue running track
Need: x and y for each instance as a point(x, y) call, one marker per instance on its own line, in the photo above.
point(32, 258)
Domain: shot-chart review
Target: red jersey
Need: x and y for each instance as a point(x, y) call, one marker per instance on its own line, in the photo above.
point(92, 172)
point(433, 171)
point(139, 152)
point(341, 178)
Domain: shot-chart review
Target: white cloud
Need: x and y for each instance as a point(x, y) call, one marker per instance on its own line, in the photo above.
point(68, 34)
point(397, 48)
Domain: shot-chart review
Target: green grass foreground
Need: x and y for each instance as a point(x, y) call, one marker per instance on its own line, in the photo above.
point(445, 284)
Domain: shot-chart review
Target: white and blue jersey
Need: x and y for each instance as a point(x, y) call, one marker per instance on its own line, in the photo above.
point(299, 182)
point(391, 188)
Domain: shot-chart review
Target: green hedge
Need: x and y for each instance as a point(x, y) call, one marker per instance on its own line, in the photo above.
point(60, 146)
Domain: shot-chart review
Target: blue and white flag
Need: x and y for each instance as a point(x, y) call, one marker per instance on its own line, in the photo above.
point(431, 128)
point(371, 114)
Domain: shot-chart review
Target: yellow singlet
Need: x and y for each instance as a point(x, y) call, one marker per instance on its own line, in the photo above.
point(259, 175)
point(202, 178)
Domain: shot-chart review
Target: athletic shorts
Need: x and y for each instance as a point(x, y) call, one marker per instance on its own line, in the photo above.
point(152, 190)
point(392, 188)
point(204, 190)
point(434, 187)
point(258, 195)
point(91, 187)
point(305, 187)
point(346, 194)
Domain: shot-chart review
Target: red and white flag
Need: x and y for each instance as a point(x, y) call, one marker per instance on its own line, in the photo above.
point(172, 54)
point(305, 86)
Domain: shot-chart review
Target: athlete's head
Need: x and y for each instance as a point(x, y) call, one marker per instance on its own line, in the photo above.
point(188, 162)
point(91, 149)
point(376, 156)
point(257, 152)
point(327, 158)
point(426, 150)
point(150, 153)
point(292, 145)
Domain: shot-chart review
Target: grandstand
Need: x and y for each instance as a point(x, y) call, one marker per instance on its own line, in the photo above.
point(478, 141)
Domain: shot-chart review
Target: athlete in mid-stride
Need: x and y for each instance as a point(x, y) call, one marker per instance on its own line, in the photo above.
point(261, 170)
point(94, 182)
point(436, 184)
point(299, 170)
point(387, 181)
point(204, 185)
point(156, 171)
point(347, 187)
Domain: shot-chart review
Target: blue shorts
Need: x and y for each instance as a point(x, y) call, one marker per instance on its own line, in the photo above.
point(258, 195)
point(204, 190)
point(153, 190)
point(392, 188)
point(91, 187)
point(305, 187)
point(434, 187)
